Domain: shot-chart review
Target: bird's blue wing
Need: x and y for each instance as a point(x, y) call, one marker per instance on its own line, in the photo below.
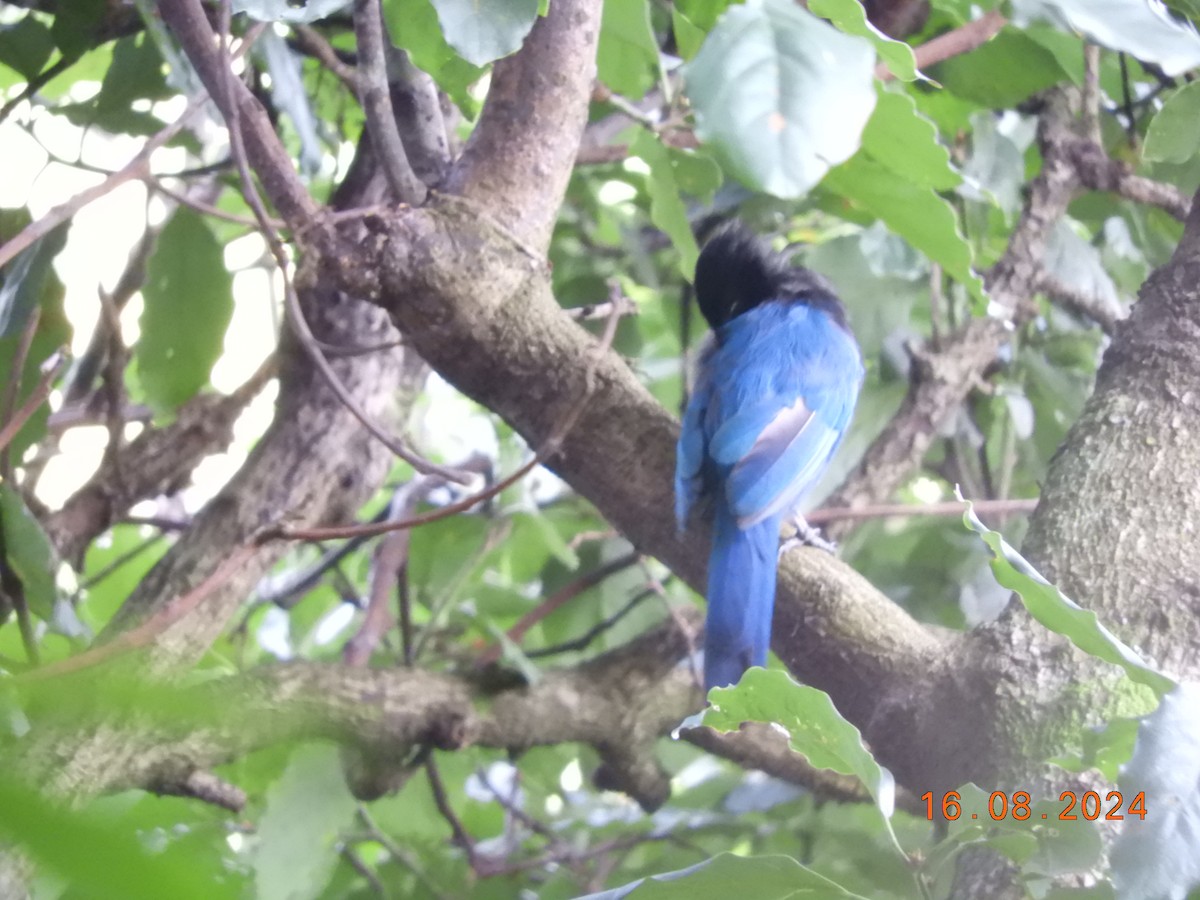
point(790, 452)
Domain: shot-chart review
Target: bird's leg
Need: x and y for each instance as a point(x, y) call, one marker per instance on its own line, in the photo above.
point(806, 536)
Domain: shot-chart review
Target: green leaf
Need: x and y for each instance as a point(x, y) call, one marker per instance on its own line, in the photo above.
point(1174, 134)
point(703, 13)
point(25, 46)
point(23, 280)
point(849, 16)
point(667, 210)
point(29, 281)
point(1137, 28)
point(307, 809)
point(28, 552)
point(726, 875)
point(189, 302)
point(101, 855)
point(414, 27)
point(780, 95)
point(815, 728)
point(288, 10)
point(1059, 613)
point(900, 138)
point(913, 211)
point(483, 32)
point(688, 36)
point(627, 58)
point(76, 26)
point(1003, 72)
point(136, 73)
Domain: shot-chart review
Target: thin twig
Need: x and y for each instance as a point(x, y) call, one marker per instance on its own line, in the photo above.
point(556, 601)
point(887, 510)
point(154, 183)
point(461, 837)
point(136, 169)
point(37, 397)
point(1088, 305)
point(953, 43)
point(548, 449)
point(596, 630)
point(16, 375)
point(153, 626)
point(376, 100)
point(295, 314)
point(313, 43)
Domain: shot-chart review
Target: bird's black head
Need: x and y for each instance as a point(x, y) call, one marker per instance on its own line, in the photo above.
point(737, 271)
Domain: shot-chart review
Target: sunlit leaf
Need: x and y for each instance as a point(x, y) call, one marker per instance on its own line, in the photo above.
point(780, 95)
point(483, 32)
point(849, 16)
point(1142, 28)
point(1060, 614)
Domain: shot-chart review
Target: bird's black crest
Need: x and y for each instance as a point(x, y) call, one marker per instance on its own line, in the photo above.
point(737, 271)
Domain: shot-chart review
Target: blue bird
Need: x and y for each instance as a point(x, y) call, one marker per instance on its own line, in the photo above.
point(774, 392)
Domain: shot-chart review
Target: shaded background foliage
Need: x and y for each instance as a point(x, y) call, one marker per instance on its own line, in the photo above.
point(899, 177)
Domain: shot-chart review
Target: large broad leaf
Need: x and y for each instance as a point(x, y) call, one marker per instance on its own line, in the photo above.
point(726, 875)
point(780, 95)
point(667, 209)
point(814, 727)
point(1142, 28)
point(25, 46)
point(102, 855)
point(850, 17)
point(1174, 134)
point(627, 58)
point(1060, 614)
point(28, 283)
point(23, 280)
point(27, 551)
point(899, 138)
point(288, 10)
point(1003, 72)
point(911, 210)
point(1156, 857)
point(413, 25)
point(483, 32)
point(189, 302)
point(307, 808)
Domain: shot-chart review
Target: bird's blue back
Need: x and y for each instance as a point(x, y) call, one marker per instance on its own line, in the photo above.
point(774, 393)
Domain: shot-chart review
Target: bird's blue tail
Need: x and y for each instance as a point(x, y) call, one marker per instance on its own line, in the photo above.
point(741, 597)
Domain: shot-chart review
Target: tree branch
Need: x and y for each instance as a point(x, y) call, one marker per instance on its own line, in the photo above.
point(266, 154)
point(519, 157)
